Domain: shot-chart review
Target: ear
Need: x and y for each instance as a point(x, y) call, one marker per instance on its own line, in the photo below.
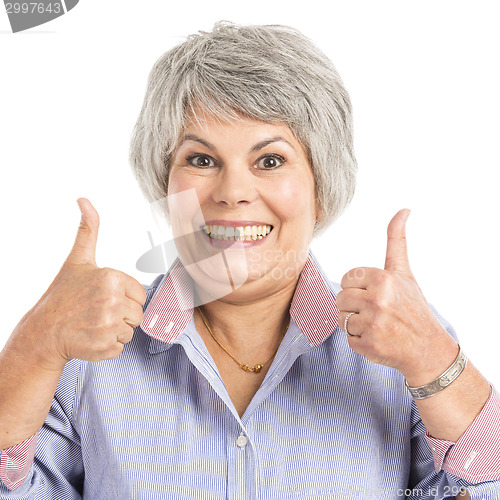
point(319, 212)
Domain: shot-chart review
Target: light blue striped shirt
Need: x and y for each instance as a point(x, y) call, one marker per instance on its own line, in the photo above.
point(158, 423)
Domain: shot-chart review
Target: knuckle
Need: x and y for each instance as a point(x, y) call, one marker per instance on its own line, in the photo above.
point(140, 310)
point(102, 318)
point(126, 335)
point(374, 325)
point(340, 299)
point(341, 319)
point(134, 315)
point(380, 277)
point(344, 280)
point(106, 271)
point(140, 315)
point(386, 279)
point(138, 291)
point(110, 277)
point(108, 318)
point(381, 302)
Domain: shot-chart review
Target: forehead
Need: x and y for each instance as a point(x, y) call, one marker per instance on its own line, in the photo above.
point(216, 129)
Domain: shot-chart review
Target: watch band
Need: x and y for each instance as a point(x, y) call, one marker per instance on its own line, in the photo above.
point(443, 381)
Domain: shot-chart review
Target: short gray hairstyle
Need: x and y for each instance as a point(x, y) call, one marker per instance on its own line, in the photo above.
point(269, 73)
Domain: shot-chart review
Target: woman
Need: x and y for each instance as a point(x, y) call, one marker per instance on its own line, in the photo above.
point(246, 373)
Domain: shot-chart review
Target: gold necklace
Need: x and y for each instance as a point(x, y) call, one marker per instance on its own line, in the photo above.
point(258, 367)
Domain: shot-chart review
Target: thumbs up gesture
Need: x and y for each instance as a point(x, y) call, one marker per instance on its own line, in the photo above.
point(87, 312)
point(393, 324)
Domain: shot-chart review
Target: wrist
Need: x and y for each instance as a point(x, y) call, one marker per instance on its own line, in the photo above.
point(443, 381)
point(29, 343)
point(432, 363)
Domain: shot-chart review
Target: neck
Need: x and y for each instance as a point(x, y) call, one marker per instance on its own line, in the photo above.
point(251, 329)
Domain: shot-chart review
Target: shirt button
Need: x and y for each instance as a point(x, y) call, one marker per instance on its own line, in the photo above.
point(242, 441)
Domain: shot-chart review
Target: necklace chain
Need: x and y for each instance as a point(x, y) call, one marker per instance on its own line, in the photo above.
point(258, 367)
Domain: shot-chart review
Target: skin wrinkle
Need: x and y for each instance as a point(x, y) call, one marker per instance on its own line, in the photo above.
point(233, 189)
point(260, 145)
point(250, 71)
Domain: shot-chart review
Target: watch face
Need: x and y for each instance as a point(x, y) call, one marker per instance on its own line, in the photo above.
point(25, 15)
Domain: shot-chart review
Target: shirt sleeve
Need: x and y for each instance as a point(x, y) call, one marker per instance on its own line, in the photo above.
point(49, 464)
point(475, 456)
point(16, 462)
point(441, 468)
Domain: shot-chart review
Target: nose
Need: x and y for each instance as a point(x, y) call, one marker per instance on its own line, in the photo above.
point(235, 186)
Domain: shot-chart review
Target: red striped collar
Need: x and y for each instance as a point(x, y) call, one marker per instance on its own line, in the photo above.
point(313, 307)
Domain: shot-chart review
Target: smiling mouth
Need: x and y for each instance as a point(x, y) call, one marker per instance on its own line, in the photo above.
point(238, 233)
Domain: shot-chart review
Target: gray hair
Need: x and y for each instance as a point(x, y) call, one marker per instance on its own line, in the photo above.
point(269, 73)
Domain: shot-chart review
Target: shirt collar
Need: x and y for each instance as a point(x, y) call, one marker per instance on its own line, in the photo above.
point(313, 307)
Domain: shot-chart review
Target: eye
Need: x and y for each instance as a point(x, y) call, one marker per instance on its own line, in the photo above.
point(201, 161)
point(270, 162)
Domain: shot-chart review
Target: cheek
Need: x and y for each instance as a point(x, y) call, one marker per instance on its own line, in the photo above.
point(293, 198)
point(184, 204)
point(178, 182)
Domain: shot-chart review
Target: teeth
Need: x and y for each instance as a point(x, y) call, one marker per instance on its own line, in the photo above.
point(239, 234)
point(247, 233)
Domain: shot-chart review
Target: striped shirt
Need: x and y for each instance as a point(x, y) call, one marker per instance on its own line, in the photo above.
point(158, 423)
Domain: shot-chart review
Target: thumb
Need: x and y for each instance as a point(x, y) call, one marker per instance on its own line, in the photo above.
point(396, 258)
point(83, 251)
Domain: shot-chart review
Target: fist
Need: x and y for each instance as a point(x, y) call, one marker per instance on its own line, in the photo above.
point(393, 323)
point(87, 312)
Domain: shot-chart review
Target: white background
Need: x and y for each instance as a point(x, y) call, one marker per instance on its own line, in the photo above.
point(423, 78)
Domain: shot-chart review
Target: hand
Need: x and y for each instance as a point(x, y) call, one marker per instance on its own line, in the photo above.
point(87, 312)
point(394, 325)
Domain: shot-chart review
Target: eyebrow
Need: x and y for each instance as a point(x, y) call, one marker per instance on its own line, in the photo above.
point(191, 137)
point(260, 145)
point(270, 140)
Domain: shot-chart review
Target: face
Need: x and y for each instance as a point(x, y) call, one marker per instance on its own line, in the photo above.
point(255, 189)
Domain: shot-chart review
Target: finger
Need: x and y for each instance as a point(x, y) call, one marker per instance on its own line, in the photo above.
point(359, 277)
point(83, 251)
point(353, 326)
point(356, 343)
point(125, 335)
point(112, 353)
point(134, 290)
point(133, 313)
point(351, 299)
point(397, 253)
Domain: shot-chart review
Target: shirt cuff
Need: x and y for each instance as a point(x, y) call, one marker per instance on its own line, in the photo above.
point(16, 462)
point(476, 455)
